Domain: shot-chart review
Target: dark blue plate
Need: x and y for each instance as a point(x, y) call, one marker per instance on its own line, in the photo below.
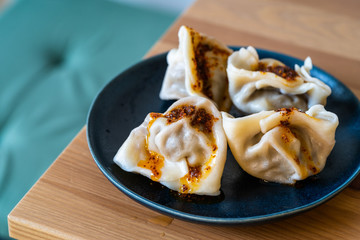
point(123, 104)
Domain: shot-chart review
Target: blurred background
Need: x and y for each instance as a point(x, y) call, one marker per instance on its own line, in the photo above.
point(55, 55)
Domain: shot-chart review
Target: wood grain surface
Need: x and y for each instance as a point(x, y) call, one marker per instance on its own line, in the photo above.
point(74, 200)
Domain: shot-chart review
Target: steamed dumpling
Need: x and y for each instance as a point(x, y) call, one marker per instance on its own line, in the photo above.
point(197, 68)
point(268, 84)
point(183, 149)
point(282, 146)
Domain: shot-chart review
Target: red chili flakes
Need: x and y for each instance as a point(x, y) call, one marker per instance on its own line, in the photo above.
point(214, 148)
point(285, 138)
point(194, 173)
point(179, 113)
point(203, 121)
point(306, 153)
point(285, 123)
point(192, 33)
point(192, 177)
point(204, 64)
point(184, 188)
point(203, 83)
point(286, 111)
point(154, 162)
point(200, 119)
point(282, 71)
point(155, 115)
point(313, 169)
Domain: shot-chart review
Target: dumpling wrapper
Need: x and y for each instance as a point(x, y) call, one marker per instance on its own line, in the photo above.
point(267, 84)
point(282, 146)
point(197, 68)
point(184, 149)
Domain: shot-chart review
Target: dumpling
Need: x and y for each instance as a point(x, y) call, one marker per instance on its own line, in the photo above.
point(282, 146)
point(268, 84)
point(197, 68)
point(183, 149)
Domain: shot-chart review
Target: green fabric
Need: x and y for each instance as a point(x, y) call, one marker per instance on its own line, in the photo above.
point(55, 55)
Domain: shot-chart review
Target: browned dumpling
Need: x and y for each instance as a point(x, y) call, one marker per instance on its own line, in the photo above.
point(197, 68)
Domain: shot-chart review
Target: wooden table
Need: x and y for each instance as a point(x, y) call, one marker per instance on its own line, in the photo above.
point(73, 199)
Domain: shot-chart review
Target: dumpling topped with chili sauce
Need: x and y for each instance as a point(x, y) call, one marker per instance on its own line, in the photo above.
point(197, 68)
point(282, 146)
point(184, 148)
point(268, 84)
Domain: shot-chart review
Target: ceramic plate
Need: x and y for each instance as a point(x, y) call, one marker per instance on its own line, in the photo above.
point(123, 104)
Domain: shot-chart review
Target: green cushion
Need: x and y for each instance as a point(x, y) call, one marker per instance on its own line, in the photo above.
point(55, 55)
